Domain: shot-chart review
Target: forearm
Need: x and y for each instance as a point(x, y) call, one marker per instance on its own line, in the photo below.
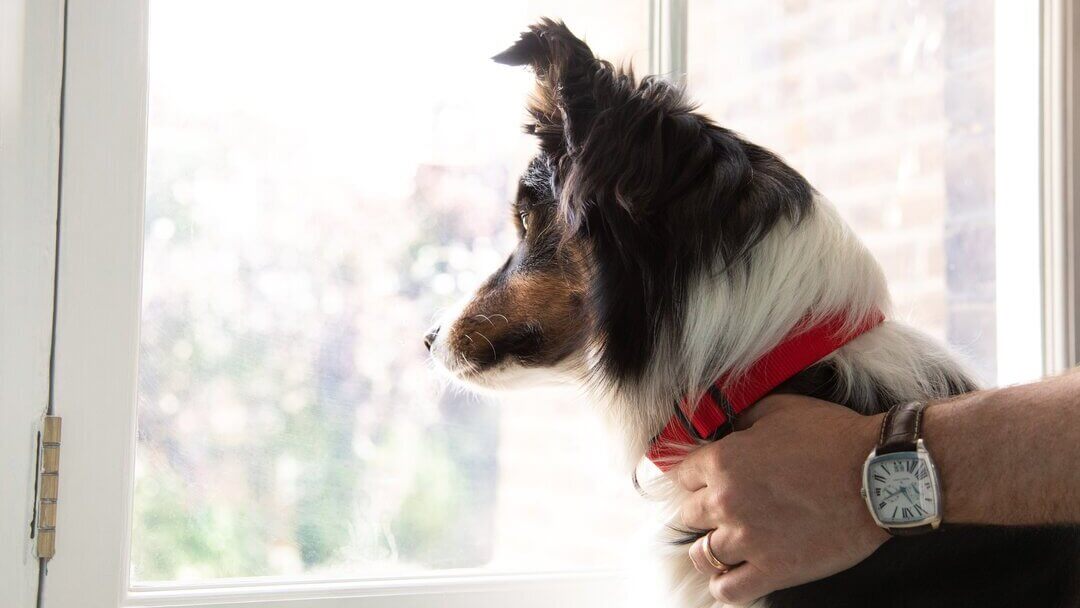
point(1009, 456)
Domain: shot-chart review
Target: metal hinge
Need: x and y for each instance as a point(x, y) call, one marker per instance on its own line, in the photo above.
point(48, 484)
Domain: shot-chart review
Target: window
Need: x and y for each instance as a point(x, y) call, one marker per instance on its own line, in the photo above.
point(319, 185)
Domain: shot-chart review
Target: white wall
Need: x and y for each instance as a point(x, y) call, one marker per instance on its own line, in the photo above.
point(30, 60)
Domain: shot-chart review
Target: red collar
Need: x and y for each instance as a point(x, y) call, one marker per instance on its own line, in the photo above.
point(714, 414)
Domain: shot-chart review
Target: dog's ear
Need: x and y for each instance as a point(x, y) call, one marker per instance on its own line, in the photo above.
point(545, 44)
point(564, 66)
point(615, 144)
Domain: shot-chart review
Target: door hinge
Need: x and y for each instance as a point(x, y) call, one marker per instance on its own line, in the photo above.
point(48, 484)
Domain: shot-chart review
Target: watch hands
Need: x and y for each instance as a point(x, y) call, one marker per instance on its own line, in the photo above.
point(904, 491)
point(914, 490)
point(889, 497)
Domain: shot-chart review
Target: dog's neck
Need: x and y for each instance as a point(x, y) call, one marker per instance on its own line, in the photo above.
point(797, 274)
point(712, 415)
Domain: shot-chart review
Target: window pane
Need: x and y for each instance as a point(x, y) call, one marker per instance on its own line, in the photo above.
point(888, 108)
point(322, 178)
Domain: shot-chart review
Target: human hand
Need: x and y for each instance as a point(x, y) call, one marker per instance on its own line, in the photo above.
point(782, 495)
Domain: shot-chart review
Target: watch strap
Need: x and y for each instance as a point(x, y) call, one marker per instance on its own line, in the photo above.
point(910, 531)
point(901, 427)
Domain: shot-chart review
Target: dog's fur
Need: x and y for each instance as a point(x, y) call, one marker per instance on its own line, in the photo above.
point(658, 252)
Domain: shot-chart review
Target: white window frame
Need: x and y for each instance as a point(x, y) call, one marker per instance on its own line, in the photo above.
point(99, 274)
point(1060, 196)
point(667, 38)
point(1037, 149)
point(1018, 298)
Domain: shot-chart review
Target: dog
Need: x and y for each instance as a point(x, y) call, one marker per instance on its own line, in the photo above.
point(659, 252)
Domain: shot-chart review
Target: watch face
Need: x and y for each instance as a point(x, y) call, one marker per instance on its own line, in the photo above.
point(902, 488)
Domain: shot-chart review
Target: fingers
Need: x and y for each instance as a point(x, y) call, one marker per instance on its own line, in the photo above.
point(706, 508)
point(740, 586)
point(694, 512)
point(738, 582)
point(715, 545)
point(700, 468)
point(705, 465)
point(692, 473)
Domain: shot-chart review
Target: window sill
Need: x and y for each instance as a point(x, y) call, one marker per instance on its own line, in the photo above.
point(448, 590)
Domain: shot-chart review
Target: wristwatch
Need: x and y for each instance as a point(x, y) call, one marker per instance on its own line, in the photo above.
point(900, 482)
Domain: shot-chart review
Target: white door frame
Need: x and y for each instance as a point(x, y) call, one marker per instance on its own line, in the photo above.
point(30, 59)
point(101, 227)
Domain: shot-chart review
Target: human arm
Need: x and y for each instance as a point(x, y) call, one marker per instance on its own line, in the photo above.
point(1010, 456)
point(783, 492)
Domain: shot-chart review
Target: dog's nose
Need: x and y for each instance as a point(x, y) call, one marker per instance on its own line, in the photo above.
point(429, 339)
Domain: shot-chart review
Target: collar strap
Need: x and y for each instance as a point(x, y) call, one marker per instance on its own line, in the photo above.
point(713, 416)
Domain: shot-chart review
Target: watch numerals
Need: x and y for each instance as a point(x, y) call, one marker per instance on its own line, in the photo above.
point(903, 490)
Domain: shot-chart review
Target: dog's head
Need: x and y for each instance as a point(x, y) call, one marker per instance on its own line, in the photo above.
point(631, 199)
point(530, 313)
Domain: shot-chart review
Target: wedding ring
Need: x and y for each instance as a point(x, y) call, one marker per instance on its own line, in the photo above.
point(713, 561)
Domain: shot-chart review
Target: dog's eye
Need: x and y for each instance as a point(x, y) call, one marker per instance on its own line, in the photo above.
point(524, 220)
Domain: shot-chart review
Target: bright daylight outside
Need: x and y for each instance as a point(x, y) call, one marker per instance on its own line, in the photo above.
point(319, 185)
point(321, 182)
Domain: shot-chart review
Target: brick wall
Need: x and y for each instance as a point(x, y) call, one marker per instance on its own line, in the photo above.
point(887, 107)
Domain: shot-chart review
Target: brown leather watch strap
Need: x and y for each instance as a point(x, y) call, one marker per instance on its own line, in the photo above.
point(912, 531)
point(901, 427)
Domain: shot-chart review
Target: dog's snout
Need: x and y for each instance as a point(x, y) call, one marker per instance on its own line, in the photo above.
point(429, 339)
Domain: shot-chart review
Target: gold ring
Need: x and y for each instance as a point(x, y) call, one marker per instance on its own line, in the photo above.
point(715, 563)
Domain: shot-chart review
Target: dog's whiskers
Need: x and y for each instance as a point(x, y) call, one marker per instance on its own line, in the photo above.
point(469, 365)
point(489, 317)
point(493, 353)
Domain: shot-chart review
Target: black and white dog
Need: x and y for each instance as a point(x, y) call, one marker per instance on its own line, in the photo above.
point(659, 252)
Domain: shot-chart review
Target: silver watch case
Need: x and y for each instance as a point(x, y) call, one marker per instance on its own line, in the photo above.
point(924, 456)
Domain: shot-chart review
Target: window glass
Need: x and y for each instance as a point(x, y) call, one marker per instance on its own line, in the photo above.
point(888, 108)
point(322, 178)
